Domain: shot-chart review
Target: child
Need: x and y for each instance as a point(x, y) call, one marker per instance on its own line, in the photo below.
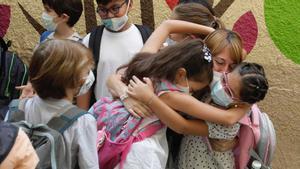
point(60, 70)
point(59, 18)
point(247, 84)
point(176, 70)
point(191, 12)
point(113, 44)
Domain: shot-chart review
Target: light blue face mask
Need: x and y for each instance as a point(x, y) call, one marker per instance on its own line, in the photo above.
point(185, 89)
point(48, 22)
point(219, 95)
point(116, 24)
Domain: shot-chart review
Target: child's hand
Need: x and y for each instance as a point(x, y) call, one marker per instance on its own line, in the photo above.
point(27, 91)
point(140, 90)
point(137, 108)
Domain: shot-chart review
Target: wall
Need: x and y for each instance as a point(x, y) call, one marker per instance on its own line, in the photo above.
point(272, 37)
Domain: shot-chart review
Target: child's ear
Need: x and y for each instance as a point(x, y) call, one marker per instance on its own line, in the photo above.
point(65, 17)
point(180, 74)
point(130, 4)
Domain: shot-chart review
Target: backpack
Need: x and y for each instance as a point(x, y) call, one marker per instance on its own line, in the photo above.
point(256, 140)
point(47, 139)
point(117, 132)
point(8, 135)
point(13, 72)
point(95, 43)
point(45, 35)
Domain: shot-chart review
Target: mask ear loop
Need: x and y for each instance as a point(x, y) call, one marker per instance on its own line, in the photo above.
point(187, 82)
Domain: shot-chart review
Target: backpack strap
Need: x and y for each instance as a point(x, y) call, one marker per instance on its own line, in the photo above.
point(14, 113)
point(145, 32)
point(64, 121)
point(45, 35)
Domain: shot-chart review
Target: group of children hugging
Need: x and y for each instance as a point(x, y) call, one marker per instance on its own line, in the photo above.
point(171, 102)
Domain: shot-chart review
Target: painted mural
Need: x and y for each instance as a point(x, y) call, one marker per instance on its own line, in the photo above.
point(270, 30)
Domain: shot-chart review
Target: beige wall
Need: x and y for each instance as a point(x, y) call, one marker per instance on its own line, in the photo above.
point(282, 101)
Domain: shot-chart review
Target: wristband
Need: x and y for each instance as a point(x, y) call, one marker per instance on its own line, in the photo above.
point(124, 96)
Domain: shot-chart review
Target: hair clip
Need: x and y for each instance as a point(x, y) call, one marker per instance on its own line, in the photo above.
point(257, 87)
point(207, 54)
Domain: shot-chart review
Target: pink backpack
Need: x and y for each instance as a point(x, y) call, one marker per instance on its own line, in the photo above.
point(116, 134)
point(257, 140)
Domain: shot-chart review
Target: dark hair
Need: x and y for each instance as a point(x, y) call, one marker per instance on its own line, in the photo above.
point(105, 2)
point(57, 65)
point(254, 84)
point(164, 64)
point(73, 8)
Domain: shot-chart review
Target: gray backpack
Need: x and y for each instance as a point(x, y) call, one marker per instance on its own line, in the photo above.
point(47, 139)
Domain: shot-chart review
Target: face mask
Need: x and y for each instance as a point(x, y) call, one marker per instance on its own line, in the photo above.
point(185, 89)
point(217, 76)
point(89, 80)
point(48, 22)
point(169, 42)
point(219, 95)
point(116, 24)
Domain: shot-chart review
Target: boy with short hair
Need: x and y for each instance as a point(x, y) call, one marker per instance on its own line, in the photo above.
point(120, 41)
point(59, 17)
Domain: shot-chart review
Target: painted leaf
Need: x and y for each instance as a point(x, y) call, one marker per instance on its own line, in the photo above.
point(4, 19)
point(246, 26)
point(172, 3)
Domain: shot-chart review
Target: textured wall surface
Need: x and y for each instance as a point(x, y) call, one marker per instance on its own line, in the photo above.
point(283, 100)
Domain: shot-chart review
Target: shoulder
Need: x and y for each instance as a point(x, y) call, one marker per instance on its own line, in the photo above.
point(86, 39)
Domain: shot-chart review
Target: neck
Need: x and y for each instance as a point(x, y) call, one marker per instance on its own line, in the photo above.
point(69, 95)
point(63, 32)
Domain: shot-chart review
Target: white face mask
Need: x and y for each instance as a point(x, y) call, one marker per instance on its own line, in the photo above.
point(219, 95)
point(89, 80)
point(48, 22)
point(116, 24)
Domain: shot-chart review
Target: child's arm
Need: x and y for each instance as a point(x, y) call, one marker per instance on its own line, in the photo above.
point(160, 34)
point(184, 103)
point(119, 90)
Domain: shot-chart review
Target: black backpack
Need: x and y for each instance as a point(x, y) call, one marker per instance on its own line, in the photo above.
point(13, 72)
point(95, 43)
point(8, 135)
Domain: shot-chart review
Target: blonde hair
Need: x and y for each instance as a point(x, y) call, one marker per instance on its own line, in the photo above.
point(57, 65)
point(223, 38)
point(196, 13)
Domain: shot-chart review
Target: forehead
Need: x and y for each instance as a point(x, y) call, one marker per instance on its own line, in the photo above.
point(234, 82)
point(224, 55)
point(112, 3)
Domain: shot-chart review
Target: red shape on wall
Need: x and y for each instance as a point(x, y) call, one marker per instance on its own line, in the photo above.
point(4, 19)
point(246, 26)
point(172, 3)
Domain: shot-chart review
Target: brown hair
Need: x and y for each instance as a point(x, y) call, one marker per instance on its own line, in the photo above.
point(222, 38)
point(165, 63)
point(57, 65)
point(196, 13)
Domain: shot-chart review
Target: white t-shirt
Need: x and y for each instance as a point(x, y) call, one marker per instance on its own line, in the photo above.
point(80, 137)
point(116, 50)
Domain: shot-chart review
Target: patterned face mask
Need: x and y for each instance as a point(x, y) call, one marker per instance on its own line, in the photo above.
point(116, 24)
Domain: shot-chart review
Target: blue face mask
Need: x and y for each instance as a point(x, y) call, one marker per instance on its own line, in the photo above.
point(48, 22)
point(219, 95)
point(116, 24)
